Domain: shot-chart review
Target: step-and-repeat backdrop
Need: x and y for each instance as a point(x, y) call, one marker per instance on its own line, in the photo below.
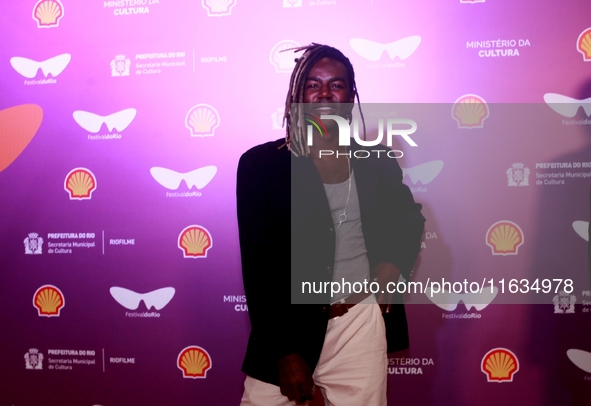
point(121, 125)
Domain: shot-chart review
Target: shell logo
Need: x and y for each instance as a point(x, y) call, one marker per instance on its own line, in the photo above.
point(202, 120)
point(470, 111)
point(282, 59)
point(195, 241)
point(504, 238)
point(80, 183)
point(48, 300)
point(584, 44)
point(499, 365)
point(47, 13)
point(194, 362)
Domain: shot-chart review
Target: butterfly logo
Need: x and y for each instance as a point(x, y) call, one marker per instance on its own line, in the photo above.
point(448, 301)
point(172, 180)
point(582, 229)
point(424, 172)
point(580, 358)
point(29, 68)
point(567, 106)
point(93, 122)
point(129, 299)
point(216, 8)
point(370, 50)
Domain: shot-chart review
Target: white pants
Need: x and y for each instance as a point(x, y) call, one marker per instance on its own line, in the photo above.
point(352, 365)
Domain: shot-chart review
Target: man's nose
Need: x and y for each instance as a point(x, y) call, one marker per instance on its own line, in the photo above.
point(325, 92)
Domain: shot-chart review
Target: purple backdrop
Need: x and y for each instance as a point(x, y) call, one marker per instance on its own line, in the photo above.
point(121, 125)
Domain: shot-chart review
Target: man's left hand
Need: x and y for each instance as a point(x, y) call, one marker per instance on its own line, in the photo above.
point(383, 273)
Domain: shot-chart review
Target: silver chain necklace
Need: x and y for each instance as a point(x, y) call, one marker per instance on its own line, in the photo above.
point(343, 215)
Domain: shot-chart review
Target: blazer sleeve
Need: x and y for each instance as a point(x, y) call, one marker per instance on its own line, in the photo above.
point(401, 222)
point(263, 209)
point(589, 241)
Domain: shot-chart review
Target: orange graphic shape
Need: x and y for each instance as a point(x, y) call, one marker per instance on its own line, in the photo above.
point(584, 44)
point(504, 238)
point(80, 183)
point(194, 241)
point(499, 365)
point(48, 300)
point(18, 126)
point(194, 362)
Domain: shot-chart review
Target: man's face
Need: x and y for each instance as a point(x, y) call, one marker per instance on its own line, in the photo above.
point(328, 85)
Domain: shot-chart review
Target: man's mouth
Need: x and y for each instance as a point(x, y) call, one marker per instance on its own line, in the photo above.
point(326, 110)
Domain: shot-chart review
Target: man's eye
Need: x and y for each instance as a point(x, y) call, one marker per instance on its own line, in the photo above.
point(312, 85)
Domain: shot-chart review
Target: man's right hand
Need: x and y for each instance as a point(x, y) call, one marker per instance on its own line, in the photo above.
point(295, 379)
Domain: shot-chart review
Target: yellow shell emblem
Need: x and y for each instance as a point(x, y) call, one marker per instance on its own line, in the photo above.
point(194, 362)
point(202, 120)
point(504, 238)
point(80, 183)
point(283, 57)
point(584, 44)
point(194, 241)
point(470, 111)
point(47, 13)
point(499, 365)
point(48, 300)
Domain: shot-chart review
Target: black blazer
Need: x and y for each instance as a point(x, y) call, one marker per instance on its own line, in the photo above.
point(287, 237)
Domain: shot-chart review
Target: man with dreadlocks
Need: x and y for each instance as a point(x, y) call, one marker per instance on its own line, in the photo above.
point(306, 218)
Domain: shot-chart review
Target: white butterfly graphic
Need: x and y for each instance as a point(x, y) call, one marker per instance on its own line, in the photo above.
point(93, 122)
point(131, 300)
point(567, 106)
point(424, 172)
point(403, 48)
point(582, 229)
point(449, 301)
point(580, 358)
point(172, 180)
point(28, 67)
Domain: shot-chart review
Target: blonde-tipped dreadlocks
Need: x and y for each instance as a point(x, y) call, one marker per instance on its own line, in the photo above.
point(295, 137)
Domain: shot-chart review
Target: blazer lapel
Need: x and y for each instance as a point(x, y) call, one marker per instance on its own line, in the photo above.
point(305, 179)
point(366, 180)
